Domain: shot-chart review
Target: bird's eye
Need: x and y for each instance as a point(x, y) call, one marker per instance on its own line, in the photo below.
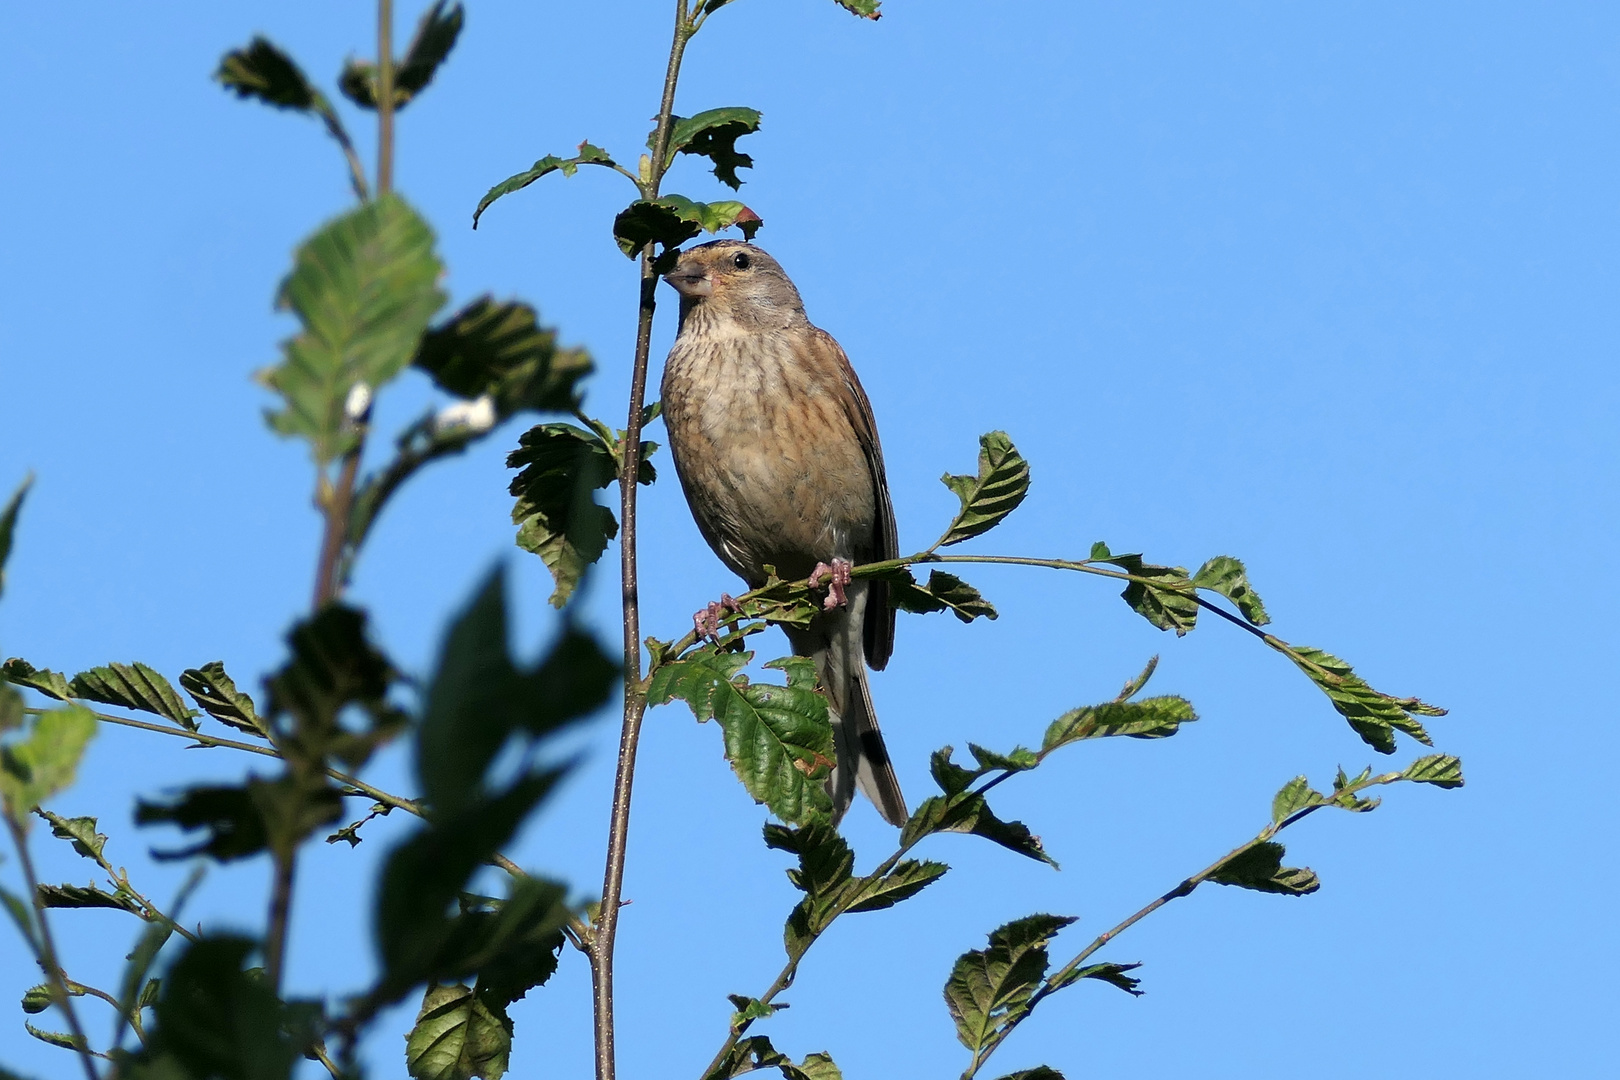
point(741, 260)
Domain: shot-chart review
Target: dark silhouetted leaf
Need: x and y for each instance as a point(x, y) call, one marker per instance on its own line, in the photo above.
point(908, 878)
point(944, 592)
point(1112, 974)
point(989, 990)
point(557, 516)
point(1039, 1072)
point(333, 665)
point(50, 683)
point(133, 686)
point(1373, 715)
point(456, 1038)
point(1225, 575)
point(588, 155)
point(674, 219)
point(264, 72)
point(435, 36)
point(713, 134)
point(1260, 868)
point(1441, 770)
point(241, 821)
point(364, 288)
point(501, 350)
point(1001, 484)
point(84, 896)
point(216, 692)
point(777, 738)
point(970, 813)
point(8, 526)
point(42, 764)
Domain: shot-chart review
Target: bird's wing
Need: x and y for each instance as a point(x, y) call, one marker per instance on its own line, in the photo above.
point(879, 629)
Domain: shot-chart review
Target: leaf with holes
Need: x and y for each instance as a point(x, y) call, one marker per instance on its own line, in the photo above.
point(674, 219)
point(1001, 484)
point(557, 516)
point(713, 134)
point(1226, 575)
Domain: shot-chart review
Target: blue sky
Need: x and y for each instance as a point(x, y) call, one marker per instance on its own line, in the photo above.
point(1327, 288)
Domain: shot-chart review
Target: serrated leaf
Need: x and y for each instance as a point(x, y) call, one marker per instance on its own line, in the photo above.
point(435, 36)
point(1001, 484)
point(1019, 759)
point(1150, 718)
point(968, 812)
point(1165, 598)
point(36, 999)
point(1134, 687)
point(1348, 800)
point(1441, 770)
point(1259, 867)
point(218, 1018)
point(944, 592)
point(558, 519)
point(713, 134)
point(1112, 974)
point(50, 683)
point(501, 350)
point(84, 896)
point(1373, 715)
point(42, 764)
point(216, 692)
point(672, 220)
point(1295, 795)
point(989, 990)
point(588, 155)
point(364, 287)
point(133, 686)
point(456, 1038)
point(240, 821)
point(1226, 575)
point(908, 878)
point(778, 738)
point(81, 831)
point(866, 9)
point(8, 526)
point(55, 1038)
point(333, 664)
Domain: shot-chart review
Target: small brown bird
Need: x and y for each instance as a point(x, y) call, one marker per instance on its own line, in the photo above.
point(774, 441)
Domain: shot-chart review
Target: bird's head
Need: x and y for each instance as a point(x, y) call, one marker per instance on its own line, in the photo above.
point(735, 281)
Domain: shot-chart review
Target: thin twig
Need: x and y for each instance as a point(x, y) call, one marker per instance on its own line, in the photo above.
point(275, 938)
point(45, 951)
point(385, 96)
point(605, 932)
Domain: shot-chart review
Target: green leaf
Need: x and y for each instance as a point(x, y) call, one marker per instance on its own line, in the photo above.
point(557, 517)
point(748, 1010)
point(36, 999)
point(456, 1038)
point(1225, 575)
point(1001, 484)
point(1039, 1072)
point(8, 525)
point(1295, 795)
point(81, 831)
point(22, 914)
point(1166, 598)
point(815, 1067)
point(944, 592)
point(134, 986)
point(216, 692)
point(588, 155)
point(778, 738)
point(1019, 759)
point(1112, 974)
point(908, 878)
point(501, 350)
point(1150, 718)
point(989, 990)
point(264, 72)
point(970, 813)
point(1441, 770)
point(674, 219)
point(85, 896)
point(133, 686)
point(1134, 687)
point(50, 683)
point(866, 9)
point(364, 288)
point(42, 764)
point(1349, 800)
point(1259, 867)
point(713, 134)
point(242, 820)
point(1373, 715)
point(55, 1038)
point(435, 36)
point(333, 665)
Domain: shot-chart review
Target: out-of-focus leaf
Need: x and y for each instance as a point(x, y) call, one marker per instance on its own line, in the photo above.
point(777, 738)
point(713, 134)
point(1149, 718)
point(1441, 770)
point(264, 72)
point(1112, 974)
point(55, 1038)
point(514, 947)
point(84, 896)
point(557, 517)
point(1295, 795)
point(243, 820)
point(8, 526)
point(435, 36)
point(674, 219)
point(333, 664)
point(1373, 715)
point(364, 287)
point(133, 686)
point(36, 999)
point(42, 764)
point(50, 683)
point(989, 990)
point(13, 713)
point(501, 350)
point(456, 1038)
point(1001, 484)
point(1260, 868)
point(1226, 575)
point(80, 831)
point(216, 692)
point(588, 155)
point(944, 592)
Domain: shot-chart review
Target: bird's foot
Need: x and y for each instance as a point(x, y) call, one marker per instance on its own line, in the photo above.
point(835, 576)
point(707, 622)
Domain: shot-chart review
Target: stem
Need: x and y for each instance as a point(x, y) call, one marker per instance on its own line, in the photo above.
point(385, 96)
point(635, 700)
point(45, 951)
point(275, 944)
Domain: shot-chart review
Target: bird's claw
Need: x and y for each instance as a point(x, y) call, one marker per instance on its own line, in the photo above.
point(706, 623)
point(837, 576)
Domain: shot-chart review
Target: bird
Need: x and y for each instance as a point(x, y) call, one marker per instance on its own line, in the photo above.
point(777, 451)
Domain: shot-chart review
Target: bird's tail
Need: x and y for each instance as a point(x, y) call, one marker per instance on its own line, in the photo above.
point(835, 641)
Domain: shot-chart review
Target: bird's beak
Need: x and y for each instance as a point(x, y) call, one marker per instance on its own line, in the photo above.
point(690, 281)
